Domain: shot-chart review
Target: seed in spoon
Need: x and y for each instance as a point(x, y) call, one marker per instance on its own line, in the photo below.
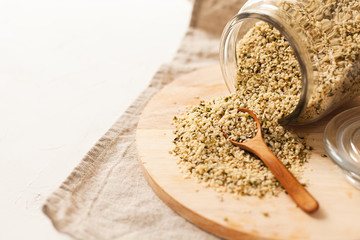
point(238, 125)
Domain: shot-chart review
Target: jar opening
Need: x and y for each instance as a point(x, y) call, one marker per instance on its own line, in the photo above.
point(236, 29)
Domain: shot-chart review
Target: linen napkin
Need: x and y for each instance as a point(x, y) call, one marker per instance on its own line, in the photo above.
point(106, 195)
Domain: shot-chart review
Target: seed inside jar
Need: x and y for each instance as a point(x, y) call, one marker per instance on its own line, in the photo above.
point(332, 37)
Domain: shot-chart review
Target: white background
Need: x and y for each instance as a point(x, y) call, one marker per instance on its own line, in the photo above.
point(68, 70)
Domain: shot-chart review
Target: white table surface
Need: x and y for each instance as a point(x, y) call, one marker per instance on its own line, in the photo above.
point(68, 70)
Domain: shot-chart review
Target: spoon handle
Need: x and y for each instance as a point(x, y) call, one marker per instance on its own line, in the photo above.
point(294, 188)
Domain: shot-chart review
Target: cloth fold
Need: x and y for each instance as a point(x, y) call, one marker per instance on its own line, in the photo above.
point(106, 195)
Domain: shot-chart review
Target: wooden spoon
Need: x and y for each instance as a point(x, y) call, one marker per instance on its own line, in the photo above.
point(257, 146)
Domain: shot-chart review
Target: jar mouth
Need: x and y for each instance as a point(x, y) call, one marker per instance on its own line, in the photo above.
point(228, 57)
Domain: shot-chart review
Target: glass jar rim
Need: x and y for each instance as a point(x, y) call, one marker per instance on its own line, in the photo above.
point(296, 45)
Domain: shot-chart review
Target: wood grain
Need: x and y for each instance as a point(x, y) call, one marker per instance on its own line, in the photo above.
point(337, 218)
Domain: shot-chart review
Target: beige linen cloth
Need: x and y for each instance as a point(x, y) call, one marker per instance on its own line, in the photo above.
point(106, 195)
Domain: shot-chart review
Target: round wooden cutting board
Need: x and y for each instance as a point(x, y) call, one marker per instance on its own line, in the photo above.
point(247, 217)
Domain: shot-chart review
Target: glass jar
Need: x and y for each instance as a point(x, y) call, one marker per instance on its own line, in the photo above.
point(325, 38)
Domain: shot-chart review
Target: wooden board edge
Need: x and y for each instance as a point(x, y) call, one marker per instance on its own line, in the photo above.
point(204, 223)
